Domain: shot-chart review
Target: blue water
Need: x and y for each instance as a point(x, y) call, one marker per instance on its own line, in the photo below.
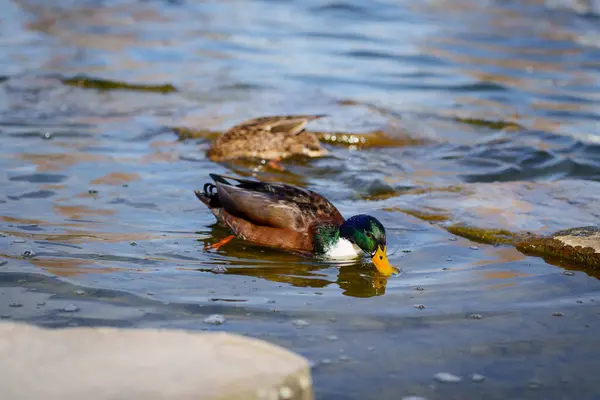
point(491, 111)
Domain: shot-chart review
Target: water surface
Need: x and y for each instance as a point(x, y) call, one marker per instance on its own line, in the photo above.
point(491, 113)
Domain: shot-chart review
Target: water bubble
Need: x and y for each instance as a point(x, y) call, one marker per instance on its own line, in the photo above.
point(215, 319)
point(453, 239)
point(477, 378)
point(474, 247)
point(19, 241)
point(47, 135)
point(446, 377)
point(332, 338)
point(332, 319)
point(300, 323)
point(326, 361)
point(70, 308)
point(344, 357)
point(534, 384)
point(80, 292)
point(449, 259)
point(28, 254)
point(370, 348)
point(419, 306)
point(568, 273)
point(475, 316)
point(41, 303)
point(219, 269)
point(15, 305)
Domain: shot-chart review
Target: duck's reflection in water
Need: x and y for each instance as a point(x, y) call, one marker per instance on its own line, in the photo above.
point(356, 278)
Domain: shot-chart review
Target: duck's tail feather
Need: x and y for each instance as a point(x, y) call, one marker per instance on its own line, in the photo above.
point(208, 195)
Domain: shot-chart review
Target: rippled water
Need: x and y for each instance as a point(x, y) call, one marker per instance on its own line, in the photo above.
point(490, 111)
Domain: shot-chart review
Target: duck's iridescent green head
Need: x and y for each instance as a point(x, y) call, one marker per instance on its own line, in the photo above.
point(368, 234)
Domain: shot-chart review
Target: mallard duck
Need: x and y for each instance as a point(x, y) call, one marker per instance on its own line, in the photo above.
point(293, 219)
point(269, 138)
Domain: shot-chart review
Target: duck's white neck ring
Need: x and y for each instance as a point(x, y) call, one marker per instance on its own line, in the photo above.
point(343, 248)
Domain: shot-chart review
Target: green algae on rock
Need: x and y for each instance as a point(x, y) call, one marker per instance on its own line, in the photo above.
point(422, 215)
point(379, 191)
point(487, 236)
point(491, 124)
point(105, 84)
point(579, 247)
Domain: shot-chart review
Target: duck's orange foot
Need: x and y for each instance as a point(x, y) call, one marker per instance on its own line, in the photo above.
point(219, 243)
point(275, 164)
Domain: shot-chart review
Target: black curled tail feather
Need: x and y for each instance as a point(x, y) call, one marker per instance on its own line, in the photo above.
point(209, 189)
point(208, 195)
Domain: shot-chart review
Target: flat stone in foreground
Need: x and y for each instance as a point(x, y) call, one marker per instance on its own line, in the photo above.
point(107, 363)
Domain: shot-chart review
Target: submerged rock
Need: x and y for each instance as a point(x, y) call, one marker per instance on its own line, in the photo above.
point(482, 235)
point(494, 212)
point(105, 85)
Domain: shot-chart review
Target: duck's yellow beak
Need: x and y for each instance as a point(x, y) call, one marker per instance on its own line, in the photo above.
point(382, 264)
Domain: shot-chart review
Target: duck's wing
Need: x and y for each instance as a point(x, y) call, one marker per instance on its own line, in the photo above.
point(275, 205)
point(289, 124)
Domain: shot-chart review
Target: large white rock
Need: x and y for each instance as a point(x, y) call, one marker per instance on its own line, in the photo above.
point(107, 363)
